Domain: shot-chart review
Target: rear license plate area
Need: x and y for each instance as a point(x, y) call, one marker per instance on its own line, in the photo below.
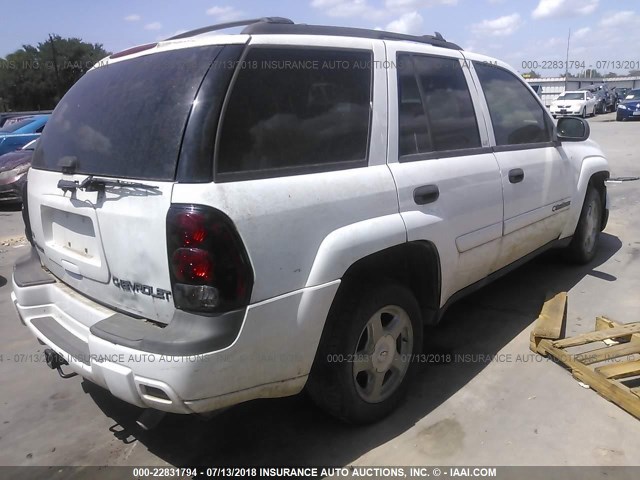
point(71, 234)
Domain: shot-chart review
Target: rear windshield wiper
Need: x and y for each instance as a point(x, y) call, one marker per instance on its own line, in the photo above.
point(95, 184)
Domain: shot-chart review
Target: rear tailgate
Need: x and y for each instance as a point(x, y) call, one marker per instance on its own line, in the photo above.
point(111, 248)
point(122, 125)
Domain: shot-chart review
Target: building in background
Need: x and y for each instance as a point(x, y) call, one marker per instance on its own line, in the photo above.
point(549, 88)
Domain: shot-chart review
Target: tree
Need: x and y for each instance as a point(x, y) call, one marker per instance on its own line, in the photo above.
point(611, 75)
point(634, 73)
point(531, 74)
point(36, 77)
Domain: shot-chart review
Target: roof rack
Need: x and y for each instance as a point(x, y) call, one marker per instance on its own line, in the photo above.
point(239, 23)
point(303, 29)
point(284, 26)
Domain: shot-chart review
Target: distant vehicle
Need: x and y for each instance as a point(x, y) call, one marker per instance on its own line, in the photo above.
point(605, 100)
point(629, 107)
point(17, 134)
point(7, 118)
point(574, 103)
point(13, 172)
point(620, 93)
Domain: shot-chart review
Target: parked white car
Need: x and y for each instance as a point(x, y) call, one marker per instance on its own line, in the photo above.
point(241, 216)
point(581, 103)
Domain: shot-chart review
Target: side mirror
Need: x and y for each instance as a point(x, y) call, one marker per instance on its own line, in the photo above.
point(572, 129)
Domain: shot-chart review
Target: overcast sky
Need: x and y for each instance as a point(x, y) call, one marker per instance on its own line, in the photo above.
point(513, 30)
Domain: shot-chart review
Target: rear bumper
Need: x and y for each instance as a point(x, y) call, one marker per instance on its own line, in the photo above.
point(179, 368)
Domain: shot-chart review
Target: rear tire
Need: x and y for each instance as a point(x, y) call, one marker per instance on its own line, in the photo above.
point(364, 361)
point(584, 245)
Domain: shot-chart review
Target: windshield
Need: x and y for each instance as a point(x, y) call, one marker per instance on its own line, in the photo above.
point(126, 119)
point(633, 95)
point(12, 127)
point(571, 96)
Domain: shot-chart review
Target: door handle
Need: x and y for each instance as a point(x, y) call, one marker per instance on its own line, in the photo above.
point(426, 194)
point(516, 175)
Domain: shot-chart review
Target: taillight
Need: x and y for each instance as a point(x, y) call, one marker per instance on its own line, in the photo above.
point(191, 228)
point(192, 265)
point(210, 269)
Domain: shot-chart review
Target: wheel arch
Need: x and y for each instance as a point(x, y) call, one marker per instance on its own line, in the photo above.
point(597, 181)
point(416, 265)
point(594, 172)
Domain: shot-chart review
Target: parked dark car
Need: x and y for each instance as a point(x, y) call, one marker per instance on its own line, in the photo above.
point(629, 106)
point(605, 99)
point(620, 93)
point(13, 172)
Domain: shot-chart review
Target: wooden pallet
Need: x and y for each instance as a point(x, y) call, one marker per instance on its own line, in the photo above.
point(546, 340)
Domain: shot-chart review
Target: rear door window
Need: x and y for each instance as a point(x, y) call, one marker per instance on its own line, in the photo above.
point(127, 119)
point(294, 111)
point(435, 108)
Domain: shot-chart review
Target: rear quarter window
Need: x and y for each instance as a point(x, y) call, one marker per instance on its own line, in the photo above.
point(294, 111)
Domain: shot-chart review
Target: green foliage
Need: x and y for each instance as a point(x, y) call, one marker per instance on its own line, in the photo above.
point(531, 74)
point(36, 77)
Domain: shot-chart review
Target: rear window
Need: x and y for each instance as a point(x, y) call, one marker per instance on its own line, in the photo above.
point(296, 110)
point(127, 119)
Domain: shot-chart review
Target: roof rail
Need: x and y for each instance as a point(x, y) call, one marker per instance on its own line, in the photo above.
point(223, 26)
point(280, 25)
point(304, 29)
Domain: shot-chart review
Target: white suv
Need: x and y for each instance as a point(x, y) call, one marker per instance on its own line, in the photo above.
point(219, 218)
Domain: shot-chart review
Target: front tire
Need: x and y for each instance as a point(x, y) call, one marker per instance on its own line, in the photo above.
point(584, 112)
point(364, 361)
point(584, 245)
